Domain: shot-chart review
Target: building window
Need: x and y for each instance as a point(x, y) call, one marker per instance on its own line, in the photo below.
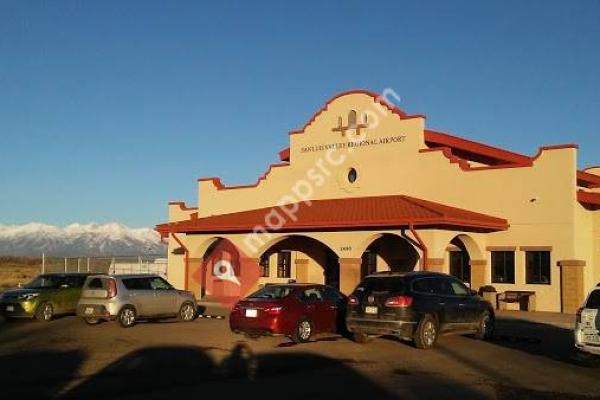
point(263, 264)
point(352, 119)
point(503, 267)
point(284, 264)
point(352, 175)
point(538, 267)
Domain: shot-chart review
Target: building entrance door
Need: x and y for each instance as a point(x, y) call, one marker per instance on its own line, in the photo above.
point(460, 265)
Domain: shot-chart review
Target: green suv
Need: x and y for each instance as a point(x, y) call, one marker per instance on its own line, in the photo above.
point(44, 297)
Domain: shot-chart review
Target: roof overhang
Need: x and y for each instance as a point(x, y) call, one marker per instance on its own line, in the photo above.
point(590, 200)
point(358, 213)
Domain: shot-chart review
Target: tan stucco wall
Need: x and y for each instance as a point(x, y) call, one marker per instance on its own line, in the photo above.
point(176, 265)
point(538, 201)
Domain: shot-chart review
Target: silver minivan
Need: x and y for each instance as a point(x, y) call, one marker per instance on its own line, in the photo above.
point(128, 298)
point(587, 328)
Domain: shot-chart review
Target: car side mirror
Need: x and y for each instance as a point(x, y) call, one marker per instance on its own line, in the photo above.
point(473, 292)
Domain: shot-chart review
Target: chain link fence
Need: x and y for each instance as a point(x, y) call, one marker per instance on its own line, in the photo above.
point(147, 264)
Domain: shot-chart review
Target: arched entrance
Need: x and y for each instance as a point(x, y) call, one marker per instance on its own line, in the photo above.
point(220, 249)
point(389, 252)
point(461, 251)
point(301, 259)
point(459, 261)
point(225, 272)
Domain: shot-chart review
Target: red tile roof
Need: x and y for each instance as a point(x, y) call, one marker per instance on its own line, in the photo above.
point(590, 200)
point(475, 151)
point(588, 180)
point(345, 214)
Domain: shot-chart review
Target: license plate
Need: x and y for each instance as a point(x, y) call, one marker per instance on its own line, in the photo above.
point(89, 310)
point(370, 310)
point(251, 313)
point(10, 308)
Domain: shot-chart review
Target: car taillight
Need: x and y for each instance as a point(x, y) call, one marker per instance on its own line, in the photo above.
point(111, 288)
point(399, 301)
point(352, 300)
point(274, 310)
point(578, 315)
point(236, 307)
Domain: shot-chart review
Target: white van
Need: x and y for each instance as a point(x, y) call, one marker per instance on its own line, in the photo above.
point(587, 328)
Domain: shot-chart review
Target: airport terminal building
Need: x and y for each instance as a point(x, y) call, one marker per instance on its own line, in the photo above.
point(366, 187)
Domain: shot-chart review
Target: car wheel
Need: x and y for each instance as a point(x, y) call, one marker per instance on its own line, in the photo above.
point(303, 332)
point(485, 330)
point(427, 332)
point(92, 321)
point(362, 338)
point(127, 316)
point(44, 312)
point(187, 312)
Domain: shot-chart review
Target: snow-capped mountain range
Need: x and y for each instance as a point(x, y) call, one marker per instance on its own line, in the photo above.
point(110, 239)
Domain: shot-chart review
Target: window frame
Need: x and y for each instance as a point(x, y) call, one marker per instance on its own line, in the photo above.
point(539, 267)
point(505, 266)
point(284, 271)
point(264, 265)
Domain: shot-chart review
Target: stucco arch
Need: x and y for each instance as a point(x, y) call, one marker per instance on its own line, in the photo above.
point(390, 251)
point(308, 258)
point(279, 238)
point(470, 244)
point(365, 242)
point(200, 245)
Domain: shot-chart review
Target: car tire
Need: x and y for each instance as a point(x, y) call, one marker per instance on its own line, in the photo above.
point(127, 316)
point(187, 312)
point(44, 312)
point(361, 338)
point(91, 321)
point(426, 333)
point(485, 328)
point(303, 331)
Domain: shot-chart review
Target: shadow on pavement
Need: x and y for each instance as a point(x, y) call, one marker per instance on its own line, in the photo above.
point(38, 374)
point(161, 372)
point(169, 371)
point(541, 339)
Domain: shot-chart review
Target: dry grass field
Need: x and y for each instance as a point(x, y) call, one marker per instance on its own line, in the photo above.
point(15, 270)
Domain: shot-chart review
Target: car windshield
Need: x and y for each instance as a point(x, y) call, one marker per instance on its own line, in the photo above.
point(593, 300)
point(45, 282)
point(382, 284)
point(271, 292)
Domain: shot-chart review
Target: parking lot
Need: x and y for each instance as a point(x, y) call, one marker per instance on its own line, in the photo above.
point(68, 359)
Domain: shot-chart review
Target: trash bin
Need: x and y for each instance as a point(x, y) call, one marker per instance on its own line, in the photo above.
point(490, 294)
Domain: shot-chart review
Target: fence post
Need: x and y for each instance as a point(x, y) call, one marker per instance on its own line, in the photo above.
point(65, 264)
point(88, 264)
point(43, 263)
point(78, 263)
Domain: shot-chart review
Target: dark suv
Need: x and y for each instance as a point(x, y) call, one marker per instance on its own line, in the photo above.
point(418, 306)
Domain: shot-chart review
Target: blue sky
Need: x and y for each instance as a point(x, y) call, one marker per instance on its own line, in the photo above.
point(110, 109)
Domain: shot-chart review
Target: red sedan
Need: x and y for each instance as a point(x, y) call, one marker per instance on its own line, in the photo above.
point(295, 310)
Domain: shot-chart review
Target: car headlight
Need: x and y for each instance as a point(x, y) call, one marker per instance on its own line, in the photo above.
point(28, 296)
